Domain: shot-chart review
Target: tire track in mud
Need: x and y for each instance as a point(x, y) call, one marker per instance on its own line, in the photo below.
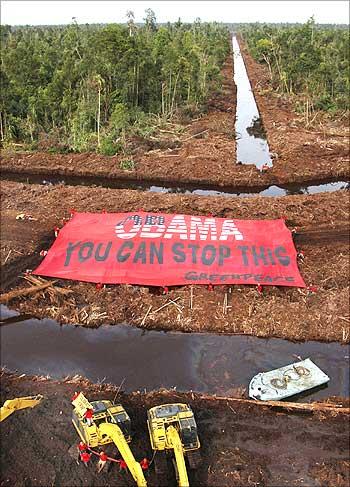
point(319, 237)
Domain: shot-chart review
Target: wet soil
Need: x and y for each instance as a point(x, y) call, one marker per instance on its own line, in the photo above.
point(206, 153)
point(241, 444)
point(322, 233)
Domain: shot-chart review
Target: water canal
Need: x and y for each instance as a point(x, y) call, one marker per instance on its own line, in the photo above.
point(252, 146)
point(208, 363)
point(187, 189)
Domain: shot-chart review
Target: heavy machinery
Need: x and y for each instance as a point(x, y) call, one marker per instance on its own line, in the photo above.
point(110, 424)
point(172, 428)
point(12, 405)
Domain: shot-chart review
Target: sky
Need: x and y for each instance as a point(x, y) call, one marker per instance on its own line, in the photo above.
point(46, 12)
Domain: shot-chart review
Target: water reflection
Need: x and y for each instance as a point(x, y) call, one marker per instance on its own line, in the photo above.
point(185, 188)
point(216, 364)
point(252, 147)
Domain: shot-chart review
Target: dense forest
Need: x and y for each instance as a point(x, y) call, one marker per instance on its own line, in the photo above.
point(85, 86)
point(308, 61)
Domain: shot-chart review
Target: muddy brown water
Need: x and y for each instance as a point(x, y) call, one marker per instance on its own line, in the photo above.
point(208, 363)
point(199, 190)
point(252, 146)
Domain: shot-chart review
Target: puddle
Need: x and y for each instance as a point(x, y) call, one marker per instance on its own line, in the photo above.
point(252, 147)
point(208, 363)
point(188, 189)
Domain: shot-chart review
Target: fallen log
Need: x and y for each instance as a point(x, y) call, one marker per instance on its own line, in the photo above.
point(19, 293)
point(303, 406)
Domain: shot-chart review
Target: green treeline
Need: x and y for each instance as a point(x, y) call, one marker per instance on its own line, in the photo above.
point(89, 85)
point(307, 60)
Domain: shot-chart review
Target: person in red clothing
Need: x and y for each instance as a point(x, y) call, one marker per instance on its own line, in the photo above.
point(82, 446)
point(144, 464)
point(122, 466)
point(85, 457)
point(102, 461)
point(88, 416)
point(75, 395)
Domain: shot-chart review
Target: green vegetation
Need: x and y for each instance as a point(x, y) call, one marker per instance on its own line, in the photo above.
point(81, 88)
point(307, 60)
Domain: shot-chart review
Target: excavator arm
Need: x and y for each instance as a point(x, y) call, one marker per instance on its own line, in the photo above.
point(116, 434)
point(174, 440)
point(12, 405)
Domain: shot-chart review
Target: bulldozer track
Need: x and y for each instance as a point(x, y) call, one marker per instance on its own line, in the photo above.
point(324, 235)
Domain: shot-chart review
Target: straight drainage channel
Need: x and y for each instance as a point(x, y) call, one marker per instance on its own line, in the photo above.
point(186, 189)
point(252, 146)
point(207, 363)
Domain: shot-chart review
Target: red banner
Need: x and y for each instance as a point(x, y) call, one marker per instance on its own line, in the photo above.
point(164, 250)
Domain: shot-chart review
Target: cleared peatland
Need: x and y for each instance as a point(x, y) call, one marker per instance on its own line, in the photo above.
point(242, 443)
point(321, 222)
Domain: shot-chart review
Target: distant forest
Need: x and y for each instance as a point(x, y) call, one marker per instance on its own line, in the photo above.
point(307, 60)
point(87, 85)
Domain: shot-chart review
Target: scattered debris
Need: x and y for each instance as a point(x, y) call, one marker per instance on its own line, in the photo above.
point(21, 293)
point(286, 381)
point(7, 257)
point(25, 216)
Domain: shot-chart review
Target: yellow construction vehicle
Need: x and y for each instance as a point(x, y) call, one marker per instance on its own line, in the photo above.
point(110, 424)
point(12, 405)
point(172, 427)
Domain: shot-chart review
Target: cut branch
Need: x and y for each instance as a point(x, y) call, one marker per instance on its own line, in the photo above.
point(20, 293)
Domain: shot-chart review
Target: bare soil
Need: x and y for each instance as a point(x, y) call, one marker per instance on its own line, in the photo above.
point(241, 444)
point(205, 153)
point(322, 228)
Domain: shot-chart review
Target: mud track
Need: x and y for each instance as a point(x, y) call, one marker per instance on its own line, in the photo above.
point(316, 236)
point(321, 222)
point(242, 444)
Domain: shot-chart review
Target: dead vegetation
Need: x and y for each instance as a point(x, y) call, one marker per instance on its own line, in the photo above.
point(321, 222)
point(40, 285)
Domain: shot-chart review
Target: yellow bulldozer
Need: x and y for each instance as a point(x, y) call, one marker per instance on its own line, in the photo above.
point(173, 431)
point(12, 405)
point(110, 424)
